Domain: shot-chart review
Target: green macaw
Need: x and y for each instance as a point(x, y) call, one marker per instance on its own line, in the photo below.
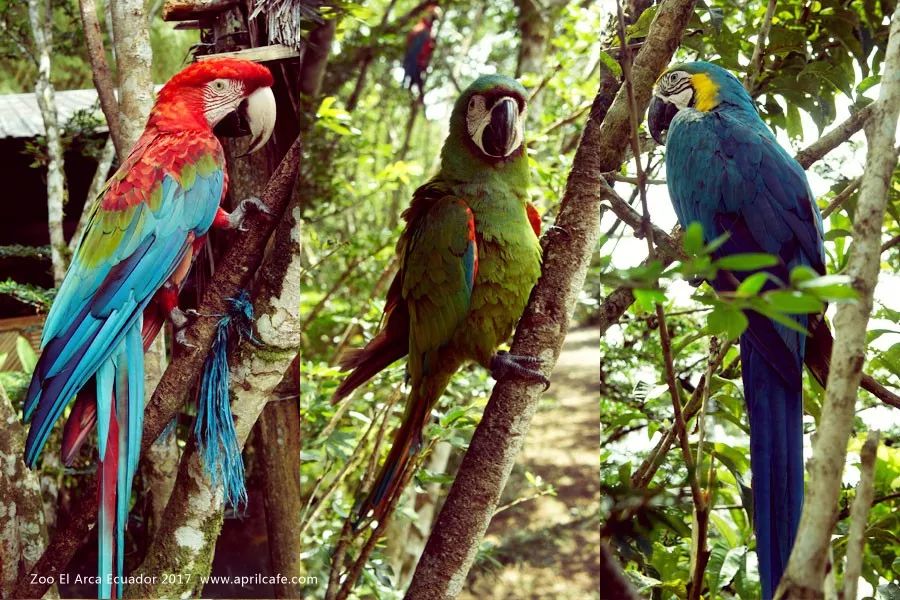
point(469, 257)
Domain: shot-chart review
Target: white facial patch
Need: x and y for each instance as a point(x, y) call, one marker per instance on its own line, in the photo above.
point(676, 87)
point(220, 97)
point(478, 118)
point(682, 99)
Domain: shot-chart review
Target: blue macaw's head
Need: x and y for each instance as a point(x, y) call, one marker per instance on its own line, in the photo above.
point(700, 86)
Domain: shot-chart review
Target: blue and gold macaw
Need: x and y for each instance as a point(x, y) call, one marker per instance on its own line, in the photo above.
point(726, 171)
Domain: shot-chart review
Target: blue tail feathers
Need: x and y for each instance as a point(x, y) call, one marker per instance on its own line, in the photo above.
point(775, 404)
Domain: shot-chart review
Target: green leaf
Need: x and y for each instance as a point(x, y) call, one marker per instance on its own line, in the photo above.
point(642, 27)
point(716, 243)
point(728, 320)
point(802, 273)
point(647, 299)
point(26, 353)
point(794, 124)
point(693, 239)
point(830, 288)
point(791, 302)
point(752, 284)
point(833, 234)
point(611, 63)
point(746, 262)
point(763, 308)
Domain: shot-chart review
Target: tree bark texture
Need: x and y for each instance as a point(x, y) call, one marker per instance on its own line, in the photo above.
point(134, 58)
point(23, 533)
point(485, 469)
point(806, 567)
point(100, 73)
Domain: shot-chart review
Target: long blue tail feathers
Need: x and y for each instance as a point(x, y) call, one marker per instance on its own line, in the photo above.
point(775, 406)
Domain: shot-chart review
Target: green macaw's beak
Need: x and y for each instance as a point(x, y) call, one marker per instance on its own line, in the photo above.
point(659, 117)
point(499, 138)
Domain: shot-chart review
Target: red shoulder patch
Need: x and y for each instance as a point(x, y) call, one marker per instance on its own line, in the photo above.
point(534, 218)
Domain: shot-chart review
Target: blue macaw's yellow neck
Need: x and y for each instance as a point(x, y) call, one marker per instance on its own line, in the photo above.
point(706, 92)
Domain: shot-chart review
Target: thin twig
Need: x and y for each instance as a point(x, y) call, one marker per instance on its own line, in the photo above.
point(756, 61)
point(634, 180)
point(859, 514)
point(894, 241)
point(841, 197)
point(644, 474)
point(340, 551)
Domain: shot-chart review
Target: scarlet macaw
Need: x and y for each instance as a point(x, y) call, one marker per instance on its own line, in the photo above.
point(138, 245)
point(419, 46)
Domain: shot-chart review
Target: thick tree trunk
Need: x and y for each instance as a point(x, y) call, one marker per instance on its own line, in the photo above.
point(134, 59)
point(159, 466)
point(23, 532)
point(806, 568)
point(453, 544)
point(40, 19)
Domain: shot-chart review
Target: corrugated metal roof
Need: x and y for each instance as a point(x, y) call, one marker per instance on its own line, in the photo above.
point(20, 116)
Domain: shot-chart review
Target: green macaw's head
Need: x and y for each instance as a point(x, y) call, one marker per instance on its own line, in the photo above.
point(700, 86)
point(487, 126)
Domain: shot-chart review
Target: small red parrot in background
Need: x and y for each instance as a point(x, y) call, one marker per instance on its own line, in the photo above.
point(419, 46)
point(133, 257)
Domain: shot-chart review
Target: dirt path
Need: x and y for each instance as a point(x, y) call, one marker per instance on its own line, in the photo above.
point(548, 547)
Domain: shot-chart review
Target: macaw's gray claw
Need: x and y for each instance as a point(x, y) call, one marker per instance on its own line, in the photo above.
point(239, 215)
point(504, 364)
point(180, 321)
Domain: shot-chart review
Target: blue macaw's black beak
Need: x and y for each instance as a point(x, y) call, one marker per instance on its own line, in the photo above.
point(499, 136)
point(659, 117)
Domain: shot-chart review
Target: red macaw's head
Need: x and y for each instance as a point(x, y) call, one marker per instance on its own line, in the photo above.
point(229, 95)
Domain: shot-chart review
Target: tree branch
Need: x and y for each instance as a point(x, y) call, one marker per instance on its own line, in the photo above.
point(39, 17)
point(568, 247)
point(806, 567)
point(100, 72)
point(756, 61)
point(834, 138)
point(856, 537)
point(193, 517)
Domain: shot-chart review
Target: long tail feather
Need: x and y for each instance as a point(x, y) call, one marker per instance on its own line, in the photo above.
point(406, 444)
point(776, 458)
point(106, 518)
point(391, 344)
point(79, 424)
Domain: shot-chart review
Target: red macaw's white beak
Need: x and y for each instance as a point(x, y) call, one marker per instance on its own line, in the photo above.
point(258, 110)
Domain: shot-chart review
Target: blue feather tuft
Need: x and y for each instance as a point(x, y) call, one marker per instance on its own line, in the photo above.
point(214, 428)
